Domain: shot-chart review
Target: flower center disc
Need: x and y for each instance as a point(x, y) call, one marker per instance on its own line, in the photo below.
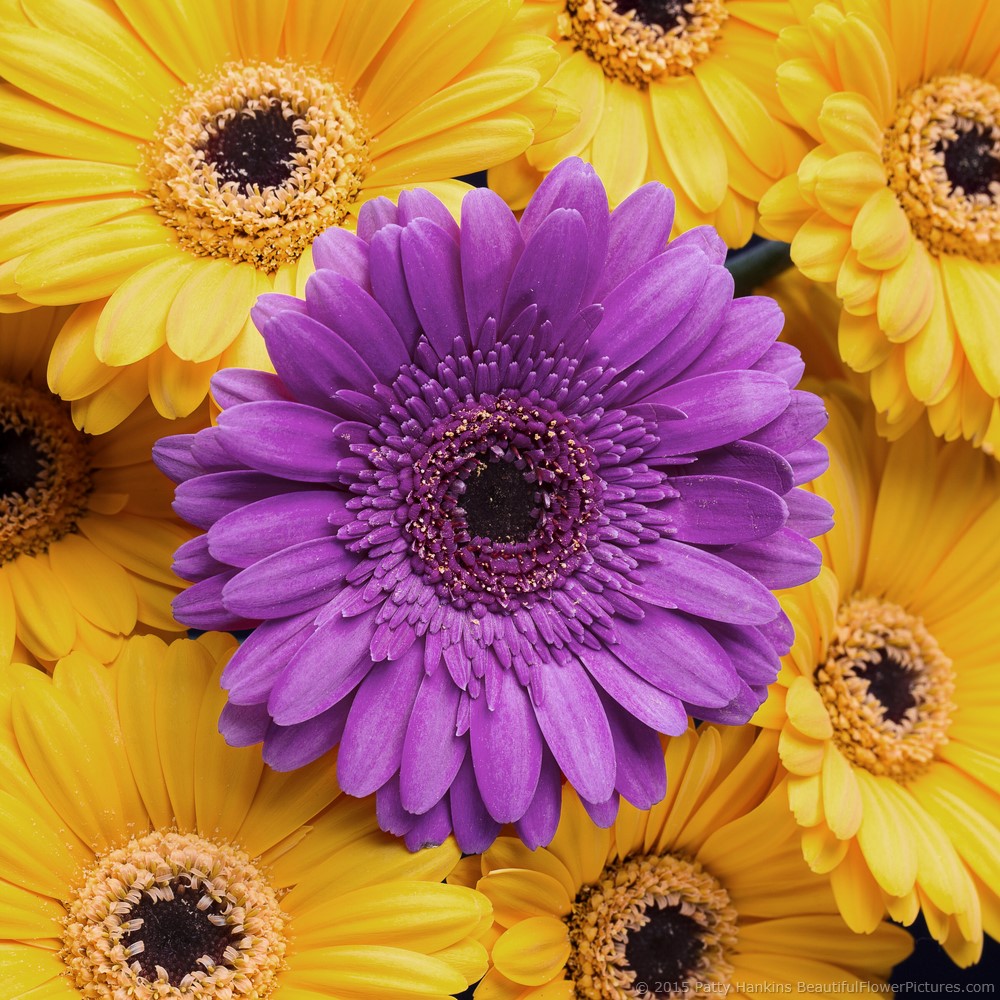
point(887, 687)
point(502, 499)
point(640, 41)
point(257, 163)
point(651, 926)
point(942, 155)
point(44, 471)
point(174, 915)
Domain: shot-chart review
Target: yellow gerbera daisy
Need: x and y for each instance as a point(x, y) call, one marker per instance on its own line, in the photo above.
point(706, 894)
point(142, 857)
point(678, 91)
point(898, 203)
point(888, 702)
point(87, 535)
point(169, 163)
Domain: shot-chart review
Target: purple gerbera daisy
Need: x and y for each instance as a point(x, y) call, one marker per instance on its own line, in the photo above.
point(509, 508)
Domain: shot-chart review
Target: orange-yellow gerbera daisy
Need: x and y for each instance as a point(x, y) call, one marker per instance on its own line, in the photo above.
point(142, 858)
point(87, 535)
point(705, 894)
point(169, 163)
point(888, 703)
point(898, 203)
point(678, 91)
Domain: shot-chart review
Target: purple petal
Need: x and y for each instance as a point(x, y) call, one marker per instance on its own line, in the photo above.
point(434, 277)
point(575, 185)
point(707, 240)
point(291, 581)
point(720, 408)
point(359, 320)
point(389, 284)
point(326, 667)
point(736, 713)
point(389, 811)
point(272, 304)
point(551, 272)
point(506, 749)
point(804, 418)
point(538, 825)
point(283, 439)
point(780, 633)
point(491, 245)
point(642, 774)
point(603, 814)
point(193, 562)
point(783, 360)
point(250, 674)
point(243, 385)
point(200, 606)
point(244, 725)
point(432, 753)
point(751, 651)
point(313, 360)
point(208, 451)
point(751, 326)
point(643, 310)
point(679, 656)
point(431, 828)
point(646, 702)
point(343, 252)
point(808, 514)
point(419, 203)
point(474, 828)
point(267, 526)
point(372, 746)
point(750, 462)
point(784, 559)
point(717, 510)
point(640, 229)
point(289, 747)
point(575, 728)
point(172, 456)
point(205, 500)
point(809, 461)
point(374, 216)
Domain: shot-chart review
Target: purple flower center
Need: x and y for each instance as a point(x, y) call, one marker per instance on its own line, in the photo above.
point(502, 496)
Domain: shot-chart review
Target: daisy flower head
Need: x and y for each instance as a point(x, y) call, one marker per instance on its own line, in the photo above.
point(142, 857)
point(86, 529)
point(898, 202)
point(705, 894)
point(671, 91)
point(887, 703)
point(476, 550)
point(171, 163)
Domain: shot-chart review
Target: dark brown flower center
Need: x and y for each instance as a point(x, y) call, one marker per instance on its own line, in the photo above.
point(665, 13)
point(20, 461)
point(255, 148)
point(972, 160)
point(890, 684)
point(178, 934)
point(664, 953)
point(499, 503)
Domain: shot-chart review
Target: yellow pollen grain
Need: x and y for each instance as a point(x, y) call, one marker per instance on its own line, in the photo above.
point(102, 967)
point(32, 521)
point(946, 220)
point(606, 911)
point(867, 629)
point(628, 49)
point(271, 226)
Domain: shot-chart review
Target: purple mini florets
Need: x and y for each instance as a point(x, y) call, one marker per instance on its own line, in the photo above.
point(511, 506)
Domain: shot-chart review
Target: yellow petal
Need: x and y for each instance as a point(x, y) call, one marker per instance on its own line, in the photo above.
point(133, 323)
point(620, 147)
point(27, 178)
point(74, 370)
point(533, 952)
point(822, 850)
point(806, 710)
point(46, 620)
point(861, 343)
point(858, 896)
point(867, 63)
point(689, 136)
point(516, 895)
point(884, 838)
point(109, 405)
point(973, 291)
point(93, 263)
point(25, 915)
point(906, 295)
point(349, 38)
point(806, 800)
point(931, 360)
point(509, 852)
point(848, 122)
point(820, 246)
point(846, 182)
point(841, 798)
point(210, 308)
point(25, 969)
point(177, 387)
point(881, 232)
point(783, 209)
point(858, 286)
point(97, 586)
point(799, 754)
